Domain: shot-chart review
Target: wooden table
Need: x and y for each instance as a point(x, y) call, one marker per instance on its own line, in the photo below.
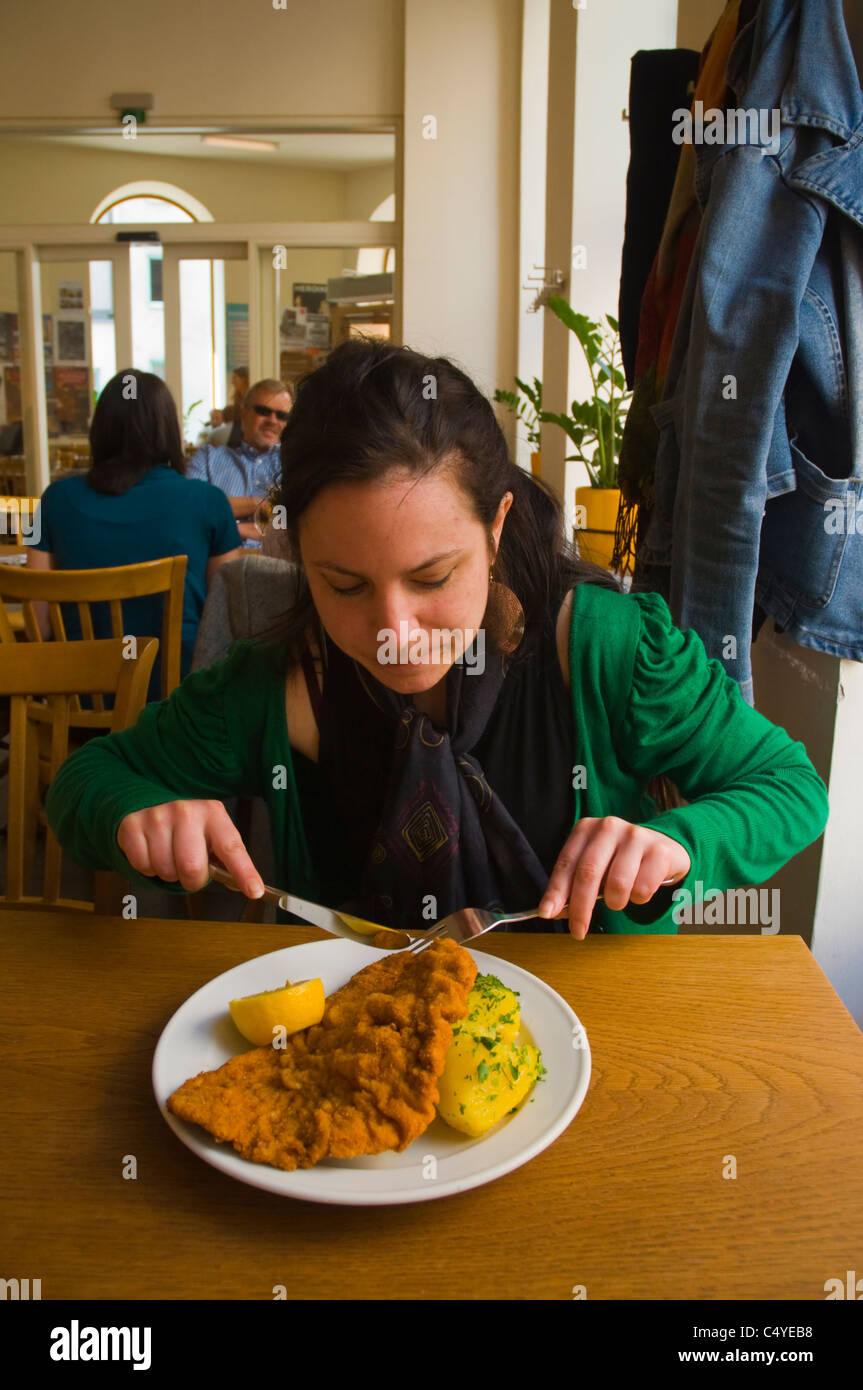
point(703, 1047)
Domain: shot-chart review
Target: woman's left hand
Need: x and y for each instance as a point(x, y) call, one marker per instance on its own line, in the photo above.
point(625, 862)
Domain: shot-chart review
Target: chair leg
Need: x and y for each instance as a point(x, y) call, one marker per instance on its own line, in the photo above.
point(31, 804)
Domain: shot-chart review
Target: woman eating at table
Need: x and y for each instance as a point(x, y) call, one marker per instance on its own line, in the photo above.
point(455, 711)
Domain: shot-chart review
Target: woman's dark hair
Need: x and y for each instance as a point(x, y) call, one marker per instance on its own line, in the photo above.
point(374, 406)
point(134, 427)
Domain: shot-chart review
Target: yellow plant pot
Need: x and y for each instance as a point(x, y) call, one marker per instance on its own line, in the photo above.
point(536, 463)
point(595, 521)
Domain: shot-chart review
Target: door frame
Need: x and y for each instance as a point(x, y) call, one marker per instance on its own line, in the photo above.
point(38, 244)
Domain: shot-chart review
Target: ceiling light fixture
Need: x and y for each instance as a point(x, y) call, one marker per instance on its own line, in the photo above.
point(236, 142)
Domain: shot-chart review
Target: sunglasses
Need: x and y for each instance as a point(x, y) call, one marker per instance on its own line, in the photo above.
point(265, 412)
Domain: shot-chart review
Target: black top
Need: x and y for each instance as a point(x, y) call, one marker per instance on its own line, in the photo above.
point(526, 752)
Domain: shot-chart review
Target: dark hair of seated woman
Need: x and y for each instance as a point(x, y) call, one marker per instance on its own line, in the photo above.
point(134, 427)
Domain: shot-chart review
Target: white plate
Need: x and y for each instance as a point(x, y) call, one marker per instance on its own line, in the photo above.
point(201, 1036)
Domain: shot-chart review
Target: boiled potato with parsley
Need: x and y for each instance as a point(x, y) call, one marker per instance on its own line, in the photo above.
point(487, 1073)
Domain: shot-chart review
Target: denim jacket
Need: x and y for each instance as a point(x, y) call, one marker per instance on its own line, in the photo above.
point(760, 464)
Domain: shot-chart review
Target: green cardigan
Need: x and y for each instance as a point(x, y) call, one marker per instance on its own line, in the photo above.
point(645, 700)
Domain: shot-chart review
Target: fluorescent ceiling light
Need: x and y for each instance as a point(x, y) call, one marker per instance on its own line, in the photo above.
point(236, 142)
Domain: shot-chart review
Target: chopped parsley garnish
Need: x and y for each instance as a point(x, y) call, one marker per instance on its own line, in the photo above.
point(482, 1071)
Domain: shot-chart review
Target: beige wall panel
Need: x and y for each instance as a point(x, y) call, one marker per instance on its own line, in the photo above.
point(203, 57)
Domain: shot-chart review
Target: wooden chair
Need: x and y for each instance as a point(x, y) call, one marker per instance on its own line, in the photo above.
point(83, 587)
point(61, 672)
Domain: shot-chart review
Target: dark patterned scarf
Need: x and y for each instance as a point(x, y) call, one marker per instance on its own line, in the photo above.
point(415, 807)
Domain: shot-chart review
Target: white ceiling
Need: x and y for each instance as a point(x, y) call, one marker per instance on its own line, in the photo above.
point(335, 151)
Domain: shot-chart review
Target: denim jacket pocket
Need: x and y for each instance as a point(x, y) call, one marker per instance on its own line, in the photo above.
point(804, 532)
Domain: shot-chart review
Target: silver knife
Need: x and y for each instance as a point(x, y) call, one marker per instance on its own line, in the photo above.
point(316, 913)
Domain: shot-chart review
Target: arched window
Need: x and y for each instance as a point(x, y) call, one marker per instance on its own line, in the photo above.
point(150, 200)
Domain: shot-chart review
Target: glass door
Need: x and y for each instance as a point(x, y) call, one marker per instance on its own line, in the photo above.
point(314, 297)
point(206, 334)
point(210, 308)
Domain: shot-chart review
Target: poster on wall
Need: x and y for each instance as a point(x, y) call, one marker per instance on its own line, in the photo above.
point(71, 341)
point(292, 329)
point(12, 392)
point(70, 296)
point(308, 296)
point(8, 337)
point(237, 326)
point(303, 325)
point(72, 399)
point(318, 331)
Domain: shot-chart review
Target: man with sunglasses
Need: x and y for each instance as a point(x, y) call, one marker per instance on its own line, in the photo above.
point(245, 473)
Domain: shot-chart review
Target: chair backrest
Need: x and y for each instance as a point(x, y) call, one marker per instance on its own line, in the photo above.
point(83, 587)
point(60, 671)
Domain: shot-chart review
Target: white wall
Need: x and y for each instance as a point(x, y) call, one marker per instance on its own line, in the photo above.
point(588, 148)
point(607, 37)
point(48, 181)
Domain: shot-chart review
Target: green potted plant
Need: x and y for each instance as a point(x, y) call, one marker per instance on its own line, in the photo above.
point(188, 426)
point(526, 407)
point(595, 428)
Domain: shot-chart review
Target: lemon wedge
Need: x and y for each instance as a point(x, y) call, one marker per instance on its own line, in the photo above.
point(292, 1007)
point(362, 926)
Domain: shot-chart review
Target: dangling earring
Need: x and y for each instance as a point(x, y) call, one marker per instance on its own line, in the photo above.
point(504, 616)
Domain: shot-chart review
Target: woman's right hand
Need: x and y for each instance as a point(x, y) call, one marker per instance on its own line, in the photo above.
point(176, 840)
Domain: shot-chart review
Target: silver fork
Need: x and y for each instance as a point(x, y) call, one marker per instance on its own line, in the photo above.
point(468, 922)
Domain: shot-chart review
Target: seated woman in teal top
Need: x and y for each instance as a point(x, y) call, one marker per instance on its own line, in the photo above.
point(488, 718)
point(135, 504)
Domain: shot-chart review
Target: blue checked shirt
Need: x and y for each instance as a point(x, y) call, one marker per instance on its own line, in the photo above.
point(239, 472)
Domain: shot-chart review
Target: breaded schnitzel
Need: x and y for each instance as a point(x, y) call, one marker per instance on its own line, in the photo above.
point(361, 1081)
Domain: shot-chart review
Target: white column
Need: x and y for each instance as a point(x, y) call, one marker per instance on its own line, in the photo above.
point(461, 160)
point(560, 158)
point(171, 301)
point(37, 467)
point(123, 305)
point(534, 129)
